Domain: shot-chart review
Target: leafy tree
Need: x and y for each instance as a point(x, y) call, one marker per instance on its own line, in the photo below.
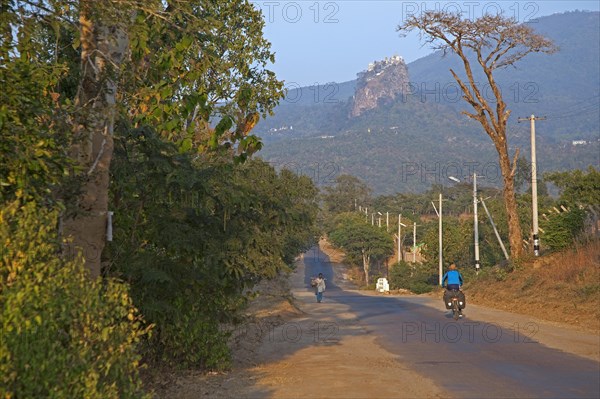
point(192, 66)
point(457, 241)
point(192, 238)
point(199, 74)
point(495, 42)
point(361, 241)
point(33, 133)
point(346, 191)
point(577, 187)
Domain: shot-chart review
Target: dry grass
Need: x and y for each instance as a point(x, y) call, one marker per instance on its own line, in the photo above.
point(562, 287)
point(575, 266)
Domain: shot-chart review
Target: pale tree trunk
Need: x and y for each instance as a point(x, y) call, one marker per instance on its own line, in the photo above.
point(366, 265)
point(103, 50)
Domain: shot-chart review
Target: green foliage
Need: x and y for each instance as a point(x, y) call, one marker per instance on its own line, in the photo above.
point(63, 335)
point(362, 242)
point(33, 133)
point(560, 229)
point(346, 191)
point(190, 239)
point(198, 67)
point(457, 241)
point(356, 237)
point(418, 278)
point(577, 187)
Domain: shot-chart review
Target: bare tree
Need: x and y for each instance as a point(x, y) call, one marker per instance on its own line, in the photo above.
point(495, 42)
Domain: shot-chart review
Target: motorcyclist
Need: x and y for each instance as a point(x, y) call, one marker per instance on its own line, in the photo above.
point(453, 281)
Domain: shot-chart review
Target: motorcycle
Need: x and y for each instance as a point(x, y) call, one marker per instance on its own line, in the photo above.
point(455, 300)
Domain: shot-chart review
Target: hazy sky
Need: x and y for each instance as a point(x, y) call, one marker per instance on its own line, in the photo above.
point(326, 41)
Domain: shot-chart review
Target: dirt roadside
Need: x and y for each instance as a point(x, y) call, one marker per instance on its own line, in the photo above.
point(297, 349)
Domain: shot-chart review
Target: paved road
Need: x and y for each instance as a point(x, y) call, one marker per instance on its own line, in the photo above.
point(471, 357)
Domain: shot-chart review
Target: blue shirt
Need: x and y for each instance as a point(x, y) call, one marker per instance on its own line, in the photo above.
point(453, 277)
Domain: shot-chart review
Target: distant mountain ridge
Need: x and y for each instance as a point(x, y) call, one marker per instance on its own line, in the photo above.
point(425, 126)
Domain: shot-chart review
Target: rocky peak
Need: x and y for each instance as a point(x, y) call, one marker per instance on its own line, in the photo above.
point(383, 81)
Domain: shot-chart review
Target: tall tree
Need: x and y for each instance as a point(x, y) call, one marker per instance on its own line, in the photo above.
point(361, 241)
point(494, 42)
point(104, 45)
point(195, 71)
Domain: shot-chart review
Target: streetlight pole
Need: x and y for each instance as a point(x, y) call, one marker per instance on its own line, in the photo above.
point(400, 224)
point(440, 260)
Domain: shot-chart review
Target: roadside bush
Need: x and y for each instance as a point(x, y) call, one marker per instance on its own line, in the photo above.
point(417, 278)
point(62, 335)
point(561, 229)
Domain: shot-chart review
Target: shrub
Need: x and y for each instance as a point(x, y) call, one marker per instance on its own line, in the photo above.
point(417, 278)
point(561, 229)
point(63, 335)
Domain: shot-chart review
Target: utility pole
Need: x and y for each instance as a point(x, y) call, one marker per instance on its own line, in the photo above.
point(414, 242)
point(475, 223)
point(440, 242)
point(400, 224)
point(387, 221)
point(439, 214)
point(534, 200)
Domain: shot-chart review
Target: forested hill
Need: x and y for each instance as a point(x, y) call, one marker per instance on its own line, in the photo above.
point(312, 132)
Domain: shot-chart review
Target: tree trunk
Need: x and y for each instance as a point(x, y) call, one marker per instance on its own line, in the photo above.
point(515, 235)
point(366, 264)
point(103, 50)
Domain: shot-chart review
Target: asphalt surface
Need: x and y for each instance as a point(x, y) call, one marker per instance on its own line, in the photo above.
point(468, 358)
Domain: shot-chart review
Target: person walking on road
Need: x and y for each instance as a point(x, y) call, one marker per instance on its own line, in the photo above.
point(320, 287)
